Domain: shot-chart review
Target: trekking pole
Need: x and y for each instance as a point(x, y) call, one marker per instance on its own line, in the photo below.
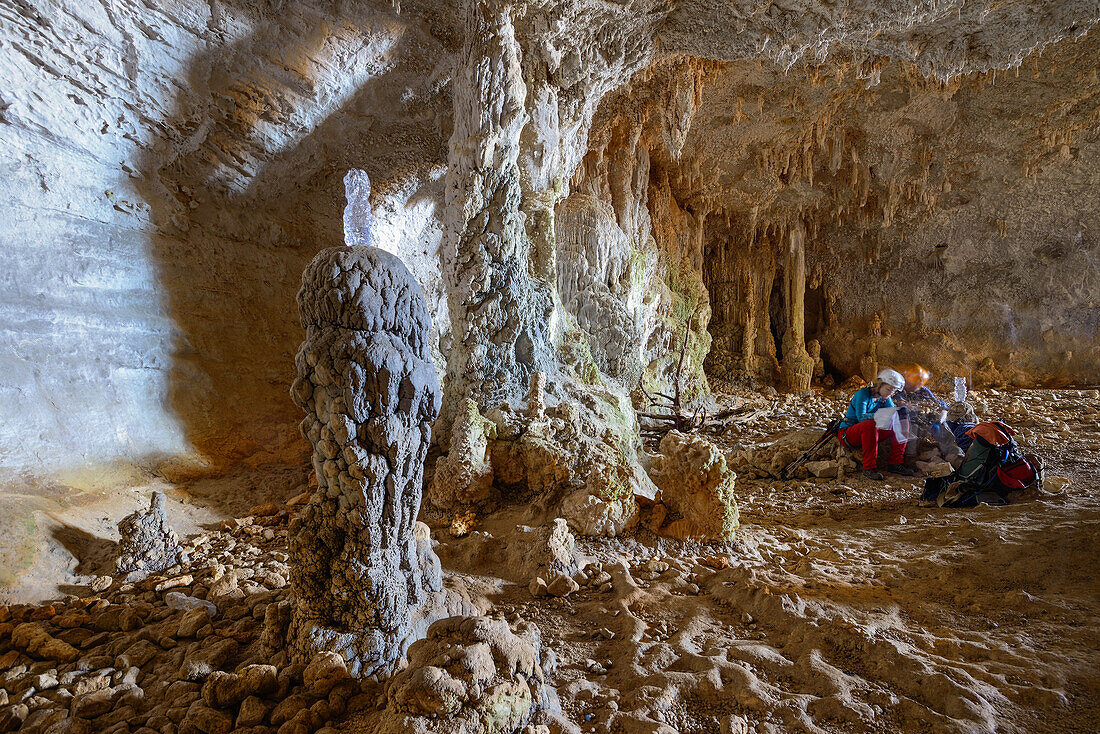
point(830, 430)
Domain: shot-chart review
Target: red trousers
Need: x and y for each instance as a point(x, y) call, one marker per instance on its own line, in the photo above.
point(865, 437)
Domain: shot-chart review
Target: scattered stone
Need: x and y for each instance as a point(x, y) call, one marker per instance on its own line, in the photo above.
point(94, 704)
point(299, 499)
point(34, 640)
point(192, 621)
point(323, 673)
point(13, 717)
point(537, 587)
point(207, 658)
point(253, 712)
point(1056, 485)
point(207, 720)
point(267, 509)
point(561, 585)
point(822, 469)
point(174, 582)
point(183, 602)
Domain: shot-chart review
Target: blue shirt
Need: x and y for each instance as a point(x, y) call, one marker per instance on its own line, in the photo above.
point(863, 406)
point(959, 429)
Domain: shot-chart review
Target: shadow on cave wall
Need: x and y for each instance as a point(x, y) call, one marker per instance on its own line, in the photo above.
point(236, 224)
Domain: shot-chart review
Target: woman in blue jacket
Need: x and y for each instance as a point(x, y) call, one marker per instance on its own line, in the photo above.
point(859, 431)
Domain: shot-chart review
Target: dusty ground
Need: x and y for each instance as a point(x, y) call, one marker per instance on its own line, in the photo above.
point(843, 606)
point(849, 606)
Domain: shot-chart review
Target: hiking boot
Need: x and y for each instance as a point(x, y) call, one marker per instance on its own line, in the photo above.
point(872, 474)
point(900, 469)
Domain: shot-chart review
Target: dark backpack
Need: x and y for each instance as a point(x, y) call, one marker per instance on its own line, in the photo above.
point(988, 473)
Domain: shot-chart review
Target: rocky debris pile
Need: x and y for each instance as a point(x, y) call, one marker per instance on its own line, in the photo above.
point(549, 551)
point(592, 577)
point(148, 543)
point(473, 674)
point(696, 485)
point(370, 392)
point(580, 454)
point(183, 651)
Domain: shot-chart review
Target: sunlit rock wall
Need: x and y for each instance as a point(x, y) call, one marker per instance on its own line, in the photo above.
point(169, 169)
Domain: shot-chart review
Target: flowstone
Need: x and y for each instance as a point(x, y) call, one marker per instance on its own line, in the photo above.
point(365, 585)
point(697, 485)
point(465, 475)
point(148, 543)
point(474, 674)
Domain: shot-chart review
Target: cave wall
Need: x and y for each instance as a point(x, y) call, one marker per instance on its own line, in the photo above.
point(956, 220)
point(170, 168)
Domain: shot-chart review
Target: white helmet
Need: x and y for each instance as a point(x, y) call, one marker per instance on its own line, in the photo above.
point(892, 378)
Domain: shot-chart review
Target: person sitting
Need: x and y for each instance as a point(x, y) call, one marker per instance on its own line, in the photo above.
point(859, 430)
point(916, 394)
point(961, 417)
point(925, 411)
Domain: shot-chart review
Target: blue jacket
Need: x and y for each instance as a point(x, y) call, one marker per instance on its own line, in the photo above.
point(863, 406)
point(959, 429)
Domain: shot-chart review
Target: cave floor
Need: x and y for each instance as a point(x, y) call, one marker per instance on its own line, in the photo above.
point(848, 605)
point(844, 605)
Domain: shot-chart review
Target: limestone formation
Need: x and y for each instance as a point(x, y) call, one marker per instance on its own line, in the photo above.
point(595, 280)
point(580, 460)
point(465, 475)
point(148, 542)
point(368, 386)
point(472, 674)
point(696, 485)
point(536, 397)
point(548, 551)
point(798, 365)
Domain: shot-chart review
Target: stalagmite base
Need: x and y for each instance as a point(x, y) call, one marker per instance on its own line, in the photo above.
point(365, 584)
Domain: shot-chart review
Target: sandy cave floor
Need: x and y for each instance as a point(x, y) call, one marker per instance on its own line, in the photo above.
point(843, 606)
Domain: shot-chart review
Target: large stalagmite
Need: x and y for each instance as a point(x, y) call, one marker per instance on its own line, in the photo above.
point(367, 383)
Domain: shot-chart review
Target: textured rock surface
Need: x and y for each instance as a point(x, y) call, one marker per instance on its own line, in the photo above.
point(598, 282)
point(148, 542)
point(169, 171)
point(370, 392)
point(174, 189)
point(580, 460)
point(465, 475)
point(549, 551)
point(697, 486)
point(471, 674)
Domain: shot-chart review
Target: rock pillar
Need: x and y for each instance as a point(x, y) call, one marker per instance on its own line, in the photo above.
point(500, 315)
point(798, 366)
point(370, 392)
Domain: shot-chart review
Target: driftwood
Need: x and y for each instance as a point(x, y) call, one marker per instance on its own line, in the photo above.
point(676, 418)
point(664, 412)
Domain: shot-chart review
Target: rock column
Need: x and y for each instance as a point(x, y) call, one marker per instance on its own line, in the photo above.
point(500, 315)
point(798, 366)
point(367, 384)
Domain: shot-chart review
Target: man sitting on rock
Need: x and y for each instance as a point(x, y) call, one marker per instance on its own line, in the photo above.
point(861, 431)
